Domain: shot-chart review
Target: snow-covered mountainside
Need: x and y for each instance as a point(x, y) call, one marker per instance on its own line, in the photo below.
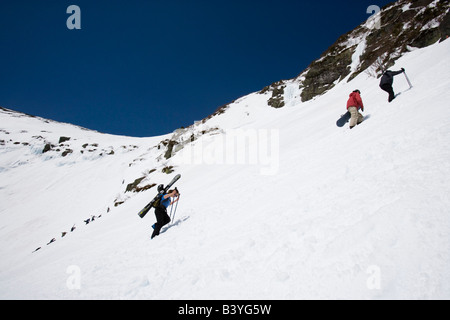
point(372, 47)
point(275, 203)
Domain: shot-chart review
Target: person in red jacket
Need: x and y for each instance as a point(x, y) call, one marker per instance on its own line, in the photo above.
point(354, 104)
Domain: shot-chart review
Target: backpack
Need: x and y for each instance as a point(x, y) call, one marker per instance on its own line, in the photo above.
point(157, 203)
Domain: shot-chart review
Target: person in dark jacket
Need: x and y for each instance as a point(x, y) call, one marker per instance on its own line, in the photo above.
point(387, 80)
point(162, 218)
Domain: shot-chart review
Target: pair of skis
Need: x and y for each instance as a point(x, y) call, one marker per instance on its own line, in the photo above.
point(147, 208)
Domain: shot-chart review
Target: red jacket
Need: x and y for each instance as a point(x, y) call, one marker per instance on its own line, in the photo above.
point(355, 101)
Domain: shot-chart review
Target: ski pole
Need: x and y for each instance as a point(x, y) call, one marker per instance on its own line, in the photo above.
point(407, 79)
point(171, 209)
point(176, 207)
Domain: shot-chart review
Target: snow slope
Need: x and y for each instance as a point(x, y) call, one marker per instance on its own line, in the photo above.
point(298, 209)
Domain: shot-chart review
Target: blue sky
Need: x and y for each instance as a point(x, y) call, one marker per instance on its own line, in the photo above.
point(147, 67)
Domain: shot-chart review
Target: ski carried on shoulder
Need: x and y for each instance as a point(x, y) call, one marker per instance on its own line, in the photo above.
point(150, 205)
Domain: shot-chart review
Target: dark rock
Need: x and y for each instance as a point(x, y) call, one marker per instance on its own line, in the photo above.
point(47, 148)
point(63, 139)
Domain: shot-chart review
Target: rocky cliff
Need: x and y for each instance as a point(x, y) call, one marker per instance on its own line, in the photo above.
point(373, 46)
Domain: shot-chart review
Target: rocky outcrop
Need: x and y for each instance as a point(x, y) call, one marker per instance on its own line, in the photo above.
point(334, 65)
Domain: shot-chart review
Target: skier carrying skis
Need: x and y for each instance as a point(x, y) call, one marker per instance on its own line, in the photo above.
point(387, 80)
point(354, 104)
point(162, 218)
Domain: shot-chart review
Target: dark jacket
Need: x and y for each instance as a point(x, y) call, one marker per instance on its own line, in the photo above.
point(388, 77)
